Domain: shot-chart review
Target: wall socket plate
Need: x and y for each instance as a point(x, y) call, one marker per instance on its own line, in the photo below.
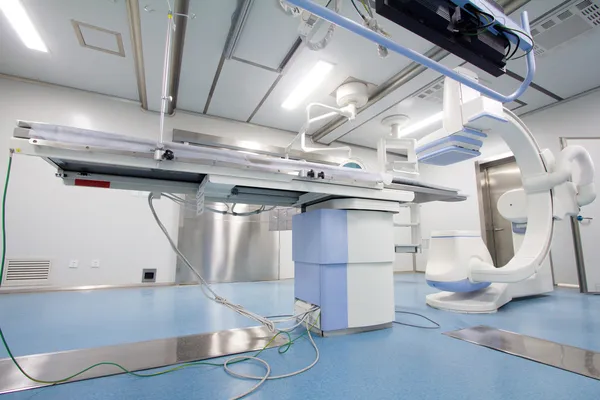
point(96, 263)
point(74, 264)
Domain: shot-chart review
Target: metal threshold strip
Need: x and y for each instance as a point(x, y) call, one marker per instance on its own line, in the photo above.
point(133, 356)
point(573, 359)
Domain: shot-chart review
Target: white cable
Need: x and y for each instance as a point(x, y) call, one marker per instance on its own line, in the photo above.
point(289, 9)
point(241, 310)
point(215, 297)
point(175, 197)
point(291, 328)
point(267, 376)
point(321, 44)
point(300, 318)
point(244, 358)
point(372, 24)
point(261, 378)
point(294, 317)
point(192, 205)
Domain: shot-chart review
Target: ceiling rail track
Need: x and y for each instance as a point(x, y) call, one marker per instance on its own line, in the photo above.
point(135, 32)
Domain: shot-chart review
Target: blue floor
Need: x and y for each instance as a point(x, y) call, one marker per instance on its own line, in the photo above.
point(396, 363)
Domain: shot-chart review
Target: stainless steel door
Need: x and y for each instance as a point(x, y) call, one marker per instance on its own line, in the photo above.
point(497, 179)
point(226, 248)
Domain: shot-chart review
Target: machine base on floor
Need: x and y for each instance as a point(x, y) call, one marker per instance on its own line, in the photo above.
point(486, 300)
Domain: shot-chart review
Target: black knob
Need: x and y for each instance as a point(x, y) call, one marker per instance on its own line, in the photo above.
point(321, 175)
point(168, 155)
point(311, 174)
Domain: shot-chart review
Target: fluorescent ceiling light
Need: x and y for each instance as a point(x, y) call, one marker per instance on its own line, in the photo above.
point(435, 118)
point(18, 18)
point(307, 85)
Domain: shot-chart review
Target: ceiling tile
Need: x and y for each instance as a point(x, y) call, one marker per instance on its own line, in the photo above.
point(535, 9)
point(67, 63)
point(205, 38)
point(569, 68)
point(100, 38)
point(239, 90)
point(257, 43)
point(352, 55)
point(272, 114)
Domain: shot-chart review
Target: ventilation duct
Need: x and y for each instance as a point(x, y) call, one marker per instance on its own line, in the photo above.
point(566, 23)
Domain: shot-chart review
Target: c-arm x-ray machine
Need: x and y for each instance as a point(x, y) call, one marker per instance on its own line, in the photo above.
point(459, 263)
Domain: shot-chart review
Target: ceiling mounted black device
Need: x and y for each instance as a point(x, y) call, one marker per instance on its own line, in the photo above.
point(461, 31)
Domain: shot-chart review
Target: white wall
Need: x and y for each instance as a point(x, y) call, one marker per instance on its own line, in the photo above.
point(577, 118)
point(48, 220)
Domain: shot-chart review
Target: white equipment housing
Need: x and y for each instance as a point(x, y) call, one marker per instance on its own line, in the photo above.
point(466, 115)
point(548, 193)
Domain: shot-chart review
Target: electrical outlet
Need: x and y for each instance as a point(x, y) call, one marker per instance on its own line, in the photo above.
point(95, 263)
point(74, 264)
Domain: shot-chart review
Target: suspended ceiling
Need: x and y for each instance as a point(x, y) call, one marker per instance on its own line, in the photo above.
point(266, 61)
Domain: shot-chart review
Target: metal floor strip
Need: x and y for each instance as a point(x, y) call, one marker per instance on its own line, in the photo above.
point(133, 356)
point(573, 359)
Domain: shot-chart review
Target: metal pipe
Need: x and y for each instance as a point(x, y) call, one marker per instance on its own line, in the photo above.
point(579, 258)
point(165, 81)
point(411, 71)
point(180, 20)
point(135, 32)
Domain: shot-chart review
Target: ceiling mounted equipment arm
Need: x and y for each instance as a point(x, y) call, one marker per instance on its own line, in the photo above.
point(377, 38)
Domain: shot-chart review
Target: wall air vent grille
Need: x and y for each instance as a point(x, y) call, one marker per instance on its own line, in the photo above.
point(26, 272)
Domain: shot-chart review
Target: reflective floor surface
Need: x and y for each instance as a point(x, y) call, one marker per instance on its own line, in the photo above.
point(574, 359)
point(397, 363)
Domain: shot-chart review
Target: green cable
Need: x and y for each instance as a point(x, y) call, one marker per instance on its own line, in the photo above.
point(10, 158)
point(125, 370)
point(291, 342)
point(136, 374)
point(140, 375)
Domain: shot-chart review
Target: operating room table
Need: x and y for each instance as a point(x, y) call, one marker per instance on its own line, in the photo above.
point(97, 159)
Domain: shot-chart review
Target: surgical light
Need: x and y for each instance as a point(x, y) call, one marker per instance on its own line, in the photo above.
point(307, 85)
point(21, 23)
